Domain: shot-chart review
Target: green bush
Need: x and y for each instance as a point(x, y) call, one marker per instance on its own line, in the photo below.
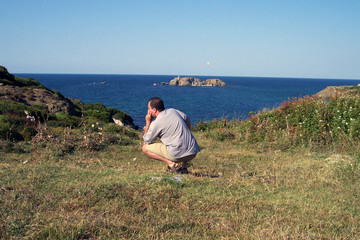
point(100, 112)
point(308, 120)
point(112, 128)
point(68, 120)
point(219, 130)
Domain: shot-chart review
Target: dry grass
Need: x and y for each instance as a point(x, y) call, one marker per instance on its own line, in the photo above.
point(232, 192)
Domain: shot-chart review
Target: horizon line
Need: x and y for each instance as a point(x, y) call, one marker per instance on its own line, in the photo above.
point(190, 75)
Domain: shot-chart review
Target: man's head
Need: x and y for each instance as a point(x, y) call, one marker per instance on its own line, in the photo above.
point(155, 106)
point(157, 103)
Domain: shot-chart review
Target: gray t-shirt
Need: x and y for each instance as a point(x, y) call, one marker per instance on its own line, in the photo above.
point(171, 127)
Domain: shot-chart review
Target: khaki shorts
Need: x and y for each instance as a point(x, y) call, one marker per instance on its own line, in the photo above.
point(161, 150)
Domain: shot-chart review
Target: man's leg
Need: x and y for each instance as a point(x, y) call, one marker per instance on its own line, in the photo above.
point(155, 156)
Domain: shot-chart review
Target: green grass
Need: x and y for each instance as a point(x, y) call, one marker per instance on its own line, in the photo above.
point(253, 179)
point(231, 193)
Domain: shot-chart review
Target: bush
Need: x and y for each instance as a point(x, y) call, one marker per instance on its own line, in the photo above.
point(308, 120)
point(67, 120)
point(99, 112)
point(113, 129)
point(219, 130)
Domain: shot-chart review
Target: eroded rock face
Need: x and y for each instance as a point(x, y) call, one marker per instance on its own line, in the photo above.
point(195, 82)
point(185, 81)
point(332, 91)
point(54, 102)
point(214, 83)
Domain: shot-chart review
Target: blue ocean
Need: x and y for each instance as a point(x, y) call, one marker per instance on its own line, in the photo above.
point(130, 93)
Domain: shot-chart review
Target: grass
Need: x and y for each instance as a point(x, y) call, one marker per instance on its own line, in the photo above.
point(254, 179)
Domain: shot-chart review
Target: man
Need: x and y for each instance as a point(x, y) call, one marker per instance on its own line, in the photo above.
point(173, 127)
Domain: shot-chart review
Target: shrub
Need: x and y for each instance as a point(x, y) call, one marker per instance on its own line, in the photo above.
point(97, 111)
point(113, 129)
point(67, 120)
point(219, 130)
point(308, 120)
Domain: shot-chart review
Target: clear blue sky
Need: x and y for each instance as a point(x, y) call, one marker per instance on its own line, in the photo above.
point(269, 38)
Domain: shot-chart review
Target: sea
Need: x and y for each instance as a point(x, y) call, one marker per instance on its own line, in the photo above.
point(130, 93)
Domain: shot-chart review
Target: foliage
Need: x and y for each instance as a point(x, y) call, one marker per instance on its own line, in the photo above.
point(220, 130)
point(14, 124)
point(8, 79)
point(101, 112)
point(310, 121)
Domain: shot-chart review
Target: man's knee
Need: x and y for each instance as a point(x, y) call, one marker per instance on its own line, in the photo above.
point(144, 148)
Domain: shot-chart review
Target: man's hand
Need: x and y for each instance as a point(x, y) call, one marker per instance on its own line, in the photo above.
point(148, 118)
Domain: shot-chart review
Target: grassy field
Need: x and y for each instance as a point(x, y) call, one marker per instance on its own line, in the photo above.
point(274, 176)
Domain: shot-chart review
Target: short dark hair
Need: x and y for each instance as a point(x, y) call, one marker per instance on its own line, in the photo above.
point(157, 103)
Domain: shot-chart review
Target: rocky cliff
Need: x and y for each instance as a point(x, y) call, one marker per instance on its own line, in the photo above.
point(333, 91)
point(29, 92)
point(196, 82)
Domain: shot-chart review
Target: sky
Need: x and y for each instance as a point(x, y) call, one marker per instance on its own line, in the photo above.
point(259, 38)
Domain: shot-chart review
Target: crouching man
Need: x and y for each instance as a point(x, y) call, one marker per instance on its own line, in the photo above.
point(173, 127)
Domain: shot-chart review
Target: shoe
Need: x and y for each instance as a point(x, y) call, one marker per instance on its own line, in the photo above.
point(173, 168)
point(182, 171)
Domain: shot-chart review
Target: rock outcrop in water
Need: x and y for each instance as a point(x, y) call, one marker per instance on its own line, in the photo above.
point(196, 82)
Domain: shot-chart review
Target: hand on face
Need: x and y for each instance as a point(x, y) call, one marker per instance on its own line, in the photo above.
point(149, 116)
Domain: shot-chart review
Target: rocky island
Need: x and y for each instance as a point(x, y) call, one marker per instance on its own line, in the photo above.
point(196, 82)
